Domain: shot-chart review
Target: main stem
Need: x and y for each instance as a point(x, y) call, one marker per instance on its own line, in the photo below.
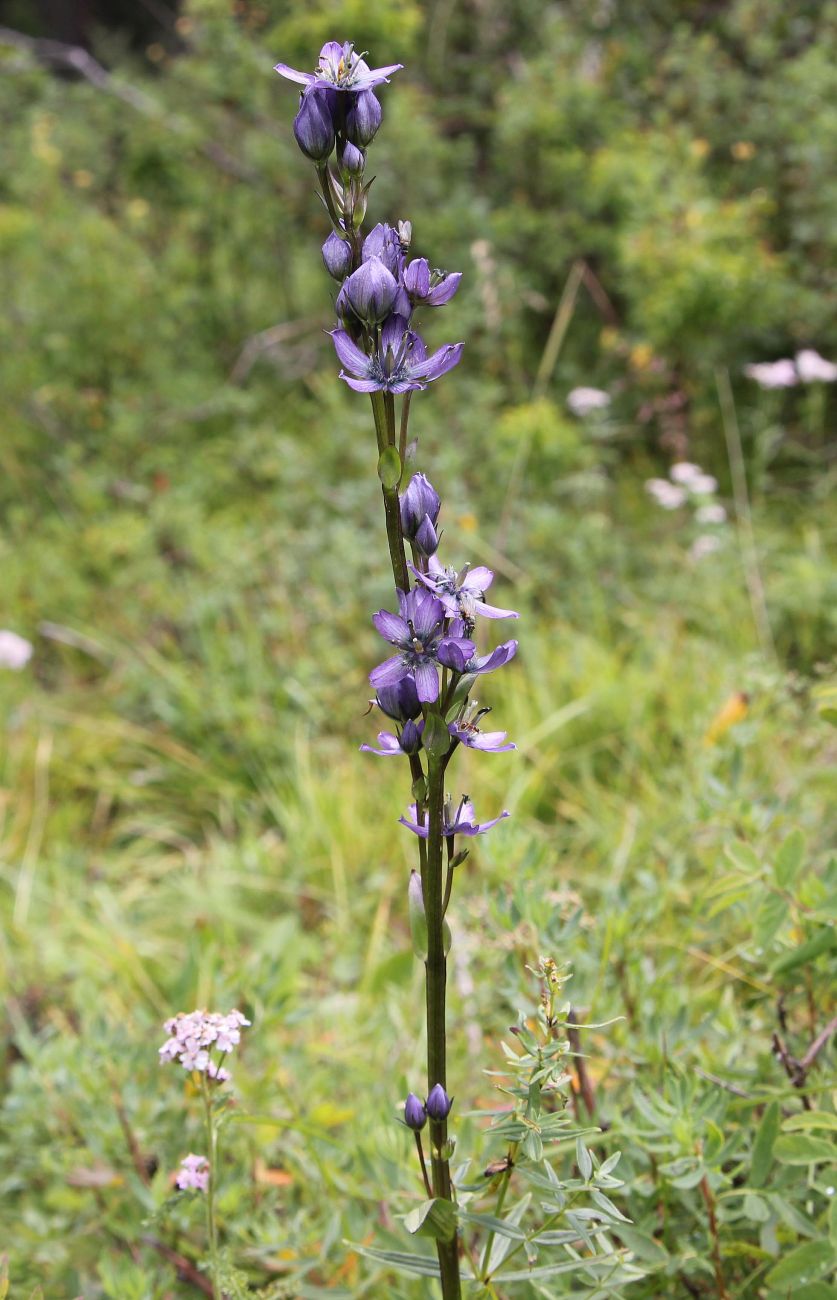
point(211, 1226)
point(430, 856)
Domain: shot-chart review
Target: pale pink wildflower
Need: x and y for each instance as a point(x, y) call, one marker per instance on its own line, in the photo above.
point(195, 1035)
point(193, 1174)
point(15, 651)
point(814, 369)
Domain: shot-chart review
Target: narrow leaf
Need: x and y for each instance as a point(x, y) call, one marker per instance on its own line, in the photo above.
point(763, 1145)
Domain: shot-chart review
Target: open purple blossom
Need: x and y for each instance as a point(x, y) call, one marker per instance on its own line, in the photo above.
point(462, 593)
point(418, 632)
point(466, 730)
point(399, 364)
point(479, 664)
point(429, 288)
point(460, 821)
point(193, 1174)
point(409, 741)
point(340, 68)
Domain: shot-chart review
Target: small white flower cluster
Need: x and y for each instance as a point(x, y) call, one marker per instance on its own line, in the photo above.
point(808, 368)
point(193, 1174)
point(583, 401)
point(193, 1036)
point(15, 651)
point(687, 484)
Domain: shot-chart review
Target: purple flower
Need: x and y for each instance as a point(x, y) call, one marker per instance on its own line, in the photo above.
point(419, 501)
point(399, 364)
point(314, 124)
point(370, 291)
point(337, 256)
point(352, 160)
point(363, 117)
point(438, 1104)
point(193, 1174)
point(467, 731)
point(418, 632)
point(487, 663)
point(429, 288)
point(460, 822)
point(415, 1115)
point(408, 742)
point(383, 242)
point(340, 68)
point(400, 701)
point(462, 593)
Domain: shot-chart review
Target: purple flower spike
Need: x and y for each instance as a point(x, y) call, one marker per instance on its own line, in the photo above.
point(314, 124)
point(438, 1103)
point(363, 117)
point(459, 821)
point(418, 633)
point(415, 1115)
point(370, 291)
point(341, 69)
point(462, 593)
point(429, 288)
point(399, 365)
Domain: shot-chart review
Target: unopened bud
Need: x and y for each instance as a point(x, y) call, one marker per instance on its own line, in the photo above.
point(415, 1115)
point(438, 1103)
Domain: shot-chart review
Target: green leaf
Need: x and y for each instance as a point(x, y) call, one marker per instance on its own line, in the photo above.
point(584, 1160)
point(4, 1276)
point(770, 916)
point(389, 467)
point(810, 1119)
point(823, 941)
point(645, 1247)
point(800, 1149)
point(435, 737)
point(832, 1222)
point(436, 1219)
point(756, 1208)
point(418, 918)
point(423, 1265)
point(500, 1227)
point(551, 1270)
point(804, 1264)
point(789, 859)
point(762, 1157)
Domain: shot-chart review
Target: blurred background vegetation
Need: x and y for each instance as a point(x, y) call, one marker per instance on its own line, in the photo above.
point(642, 199)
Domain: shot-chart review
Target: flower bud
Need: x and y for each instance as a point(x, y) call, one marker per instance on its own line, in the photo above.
point(411, 737)
point(417, 278)
point(420, 501)
point(337, 256)
point(438, 1103)
point(363, 118)
point(314, 123)
point(383, 242)
point(370, 291)
point(401, 701)
point(353, 160)
point(427, 539)
point(415, 1115)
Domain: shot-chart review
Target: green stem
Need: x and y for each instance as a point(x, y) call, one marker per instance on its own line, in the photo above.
point(211, 1225)
point(384, 412)
point(498, 1209)
point(436, 979)
point(405, 417)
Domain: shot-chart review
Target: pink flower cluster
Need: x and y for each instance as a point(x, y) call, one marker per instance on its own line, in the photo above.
point(193, 1037)
point(193, 1174)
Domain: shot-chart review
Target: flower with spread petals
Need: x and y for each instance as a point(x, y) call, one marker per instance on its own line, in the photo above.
point(399, 364)
point(462, 593)
point(340, 68)
point(814, 369)
point(408, 742)
point(193, 1174)
point(438, 1104)
point(489, 663)
point(415, 1115)
point(15, 651)
point(314, 124)
point(418, 632)
point(429, 288)
point(459, 821)
point(467, 731)
point(773, 374)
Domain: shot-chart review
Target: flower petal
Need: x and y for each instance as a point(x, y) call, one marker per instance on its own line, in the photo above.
point(444, 290)
point(389, 745)
point(494, 611)
point(477, 580)
point(291, 74)
point(348, 353)
point(362, 385)
point(389, 672)
point(427, 682)
point(439, 363)
point(391, 627)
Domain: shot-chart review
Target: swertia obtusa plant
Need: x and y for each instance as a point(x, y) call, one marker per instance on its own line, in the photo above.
point(424, 687)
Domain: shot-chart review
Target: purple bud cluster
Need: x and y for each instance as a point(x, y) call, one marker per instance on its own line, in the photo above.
point(437, 1107)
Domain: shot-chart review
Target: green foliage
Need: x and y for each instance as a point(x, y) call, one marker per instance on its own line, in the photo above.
point(189, 525)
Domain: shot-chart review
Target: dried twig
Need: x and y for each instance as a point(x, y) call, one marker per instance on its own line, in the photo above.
point(186, 1270)
point(585, 1085)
